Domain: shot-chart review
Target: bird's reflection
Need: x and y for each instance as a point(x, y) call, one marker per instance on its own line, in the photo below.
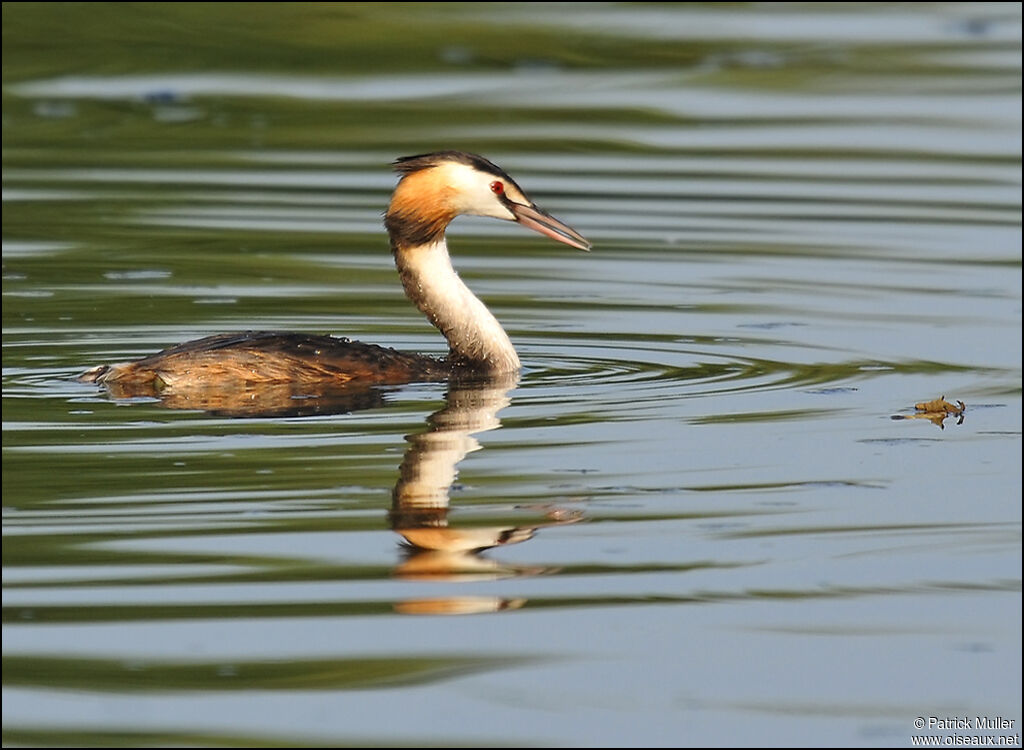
point(254, 400)
point(432, 548)
point(435, 550)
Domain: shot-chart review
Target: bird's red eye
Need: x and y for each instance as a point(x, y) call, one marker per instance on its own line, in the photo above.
point(497, 187)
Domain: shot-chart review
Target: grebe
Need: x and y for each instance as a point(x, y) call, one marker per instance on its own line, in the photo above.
point(432, 190)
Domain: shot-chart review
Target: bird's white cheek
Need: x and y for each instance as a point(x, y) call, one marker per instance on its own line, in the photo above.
point(488, 205)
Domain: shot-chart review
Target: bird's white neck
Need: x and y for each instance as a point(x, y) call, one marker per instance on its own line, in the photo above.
point(475, 337)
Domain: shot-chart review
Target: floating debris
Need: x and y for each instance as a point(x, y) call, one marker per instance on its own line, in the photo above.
point(941, 404)
point(937, 411)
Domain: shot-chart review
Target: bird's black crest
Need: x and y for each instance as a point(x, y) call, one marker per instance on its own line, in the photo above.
point(409, 164)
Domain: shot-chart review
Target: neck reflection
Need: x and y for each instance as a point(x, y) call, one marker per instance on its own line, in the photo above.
point(434, 548)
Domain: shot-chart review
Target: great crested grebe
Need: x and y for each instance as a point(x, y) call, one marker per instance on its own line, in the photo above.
point(432, 190)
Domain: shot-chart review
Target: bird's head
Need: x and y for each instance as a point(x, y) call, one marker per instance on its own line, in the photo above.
point(435, 188)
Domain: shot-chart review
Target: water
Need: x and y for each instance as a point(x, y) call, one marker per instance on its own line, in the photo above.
point(707, 528)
